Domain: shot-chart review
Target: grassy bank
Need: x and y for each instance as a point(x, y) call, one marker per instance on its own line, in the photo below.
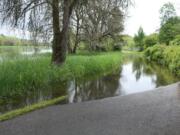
point(22, 75)
point(168, 56)
point(27, 109)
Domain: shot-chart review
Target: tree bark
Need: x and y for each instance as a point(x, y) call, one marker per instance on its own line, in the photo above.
point(61, 37)
point(77, 36)
point(57, 47)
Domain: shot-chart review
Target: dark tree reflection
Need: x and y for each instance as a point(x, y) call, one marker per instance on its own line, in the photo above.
point(103, 87)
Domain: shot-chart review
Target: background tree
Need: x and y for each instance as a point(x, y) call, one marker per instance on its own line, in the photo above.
point(105, 22)
point(176, 41)
point(50, 19)
point(169, 30)
point(166, 12)
point(151, 40)
point(139, 39)
point(41, 16)
point(77, 20)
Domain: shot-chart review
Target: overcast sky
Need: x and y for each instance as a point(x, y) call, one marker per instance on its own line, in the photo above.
point(145, 13)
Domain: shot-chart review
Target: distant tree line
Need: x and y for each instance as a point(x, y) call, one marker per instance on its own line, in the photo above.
point(13, 41)
point(97, 25)
point(169, 32)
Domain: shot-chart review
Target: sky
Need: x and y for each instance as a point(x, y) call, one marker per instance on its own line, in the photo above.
point(145, 13)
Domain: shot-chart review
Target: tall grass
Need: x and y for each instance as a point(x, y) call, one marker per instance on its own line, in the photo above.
point(22, 75)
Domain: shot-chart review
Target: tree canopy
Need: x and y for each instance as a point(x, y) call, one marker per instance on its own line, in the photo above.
point(167, 11)
point(50, 19)
point(169, 30)
point(139, 39)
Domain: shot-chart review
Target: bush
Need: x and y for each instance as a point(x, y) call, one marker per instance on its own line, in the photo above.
point(13, 41)
point(117, 47)
point(165, 55)
point(176, 41)
point(9, 42)
point(128, 42)
point(151, 40)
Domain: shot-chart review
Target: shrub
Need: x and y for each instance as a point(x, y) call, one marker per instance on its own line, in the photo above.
point(176, 41)
point(117, 47)
point(166, 55)
point(151, 40)
point(13, 41)
point(128, 42)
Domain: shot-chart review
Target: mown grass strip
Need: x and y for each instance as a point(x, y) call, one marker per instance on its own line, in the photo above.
point(30, 108)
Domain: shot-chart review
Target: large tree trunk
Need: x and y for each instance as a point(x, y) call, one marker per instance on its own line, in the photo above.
point(57, 47)
point(61, 37)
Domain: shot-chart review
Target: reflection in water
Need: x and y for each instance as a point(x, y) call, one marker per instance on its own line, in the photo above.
point(136, 75)
point(135, 80)
point(106, 86)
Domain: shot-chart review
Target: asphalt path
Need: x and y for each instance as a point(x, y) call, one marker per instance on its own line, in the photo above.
point(150, 113)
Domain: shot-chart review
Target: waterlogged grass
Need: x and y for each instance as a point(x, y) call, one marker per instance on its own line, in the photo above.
point(27, 109)
point(20, 76)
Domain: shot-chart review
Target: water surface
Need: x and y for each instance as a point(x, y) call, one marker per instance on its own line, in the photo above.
point(134, 76)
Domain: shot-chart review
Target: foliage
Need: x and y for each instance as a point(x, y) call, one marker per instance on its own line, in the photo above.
point(20, 76)
point(139, 39)
point(14, 41)
point(107, 44)
point(167, 11)
point(128, 42)
point(151, 40)
point(30, 108)
point(169, 30)
point(9, 41)
point(176, 41)
point(165, 55)
point(98, 21)
point(51, 19)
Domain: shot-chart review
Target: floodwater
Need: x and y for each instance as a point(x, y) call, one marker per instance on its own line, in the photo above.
point(135, 75)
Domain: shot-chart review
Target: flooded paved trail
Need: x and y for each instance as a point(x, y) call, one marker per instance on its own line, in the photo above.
point(149, 113)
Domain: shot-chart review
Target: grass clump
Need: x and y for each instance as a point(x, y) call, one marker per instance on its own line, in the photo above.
point(165, 55)
point(30, 108)
point(20, 76)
